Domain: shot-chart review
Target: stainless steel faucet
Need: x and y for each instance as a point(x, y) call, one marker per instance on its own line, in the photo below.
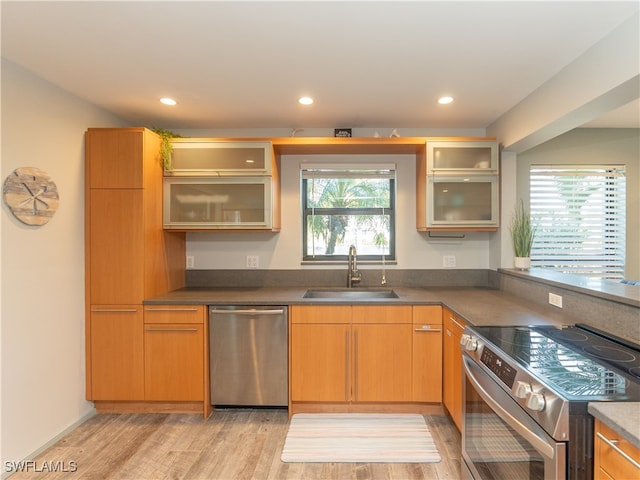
point(353, 275)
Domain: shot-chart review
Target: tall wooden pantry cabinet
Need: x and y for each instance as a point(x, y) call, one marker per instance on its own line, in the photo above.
point(128, 257)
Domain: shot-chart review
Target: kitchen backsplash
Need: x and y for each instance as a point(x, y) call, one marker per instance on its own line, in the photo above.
point(337, 278)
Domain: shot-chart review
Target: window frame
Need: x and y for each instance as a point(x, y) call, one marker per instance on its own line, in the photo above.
point(351, 171)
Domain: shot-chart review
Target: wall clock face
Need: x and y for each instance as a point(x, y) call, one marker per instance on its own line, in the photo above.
point(30, 195)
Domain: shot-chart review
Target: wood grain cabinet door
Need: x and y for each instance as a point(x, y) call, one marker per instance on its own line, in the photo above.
point(427, 354)
point(117, 366)
point(117, 247)
point(173, 359)
point(452, 368)
point(382, 362)
point(320, 362)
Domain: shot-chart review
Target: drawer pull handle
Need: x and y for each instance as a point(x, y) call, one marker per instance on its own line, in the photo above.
point(171, 309)
point(114, 310)
point(171, 329)
point(427, 330)
point(612, 444)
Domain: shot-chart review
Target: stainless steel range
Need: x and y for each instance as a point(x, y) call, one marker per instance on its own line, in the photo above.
point(526, 392)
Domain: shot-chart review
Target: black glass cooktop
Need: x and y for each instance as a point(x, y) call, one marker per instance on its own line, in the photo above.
point(576, 360)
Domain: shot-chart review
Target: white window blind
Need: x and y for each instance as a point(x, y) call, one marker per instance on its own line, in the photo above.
point(580, 216)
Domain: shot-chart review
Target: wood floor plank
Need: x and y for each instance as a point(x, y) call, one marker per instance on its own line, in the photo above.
point(232, 444)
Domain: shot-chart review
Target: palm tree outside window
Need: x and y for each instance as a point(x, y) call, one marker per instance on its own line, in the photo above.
point(347, 205)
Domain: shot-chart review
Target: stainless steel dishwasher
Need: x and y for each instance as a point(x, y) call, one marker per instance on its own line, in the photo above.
point(248, 355)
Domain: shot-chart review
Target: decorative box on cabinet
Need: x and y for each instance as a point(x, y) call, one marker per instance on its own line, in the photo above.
point(222, 185)
point(458, 185)
point(128, 257)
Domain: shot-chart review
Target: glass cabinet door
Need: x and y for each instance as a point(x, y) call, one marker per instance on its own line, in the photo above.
point(462, 201)
point(217, 203)
point(456, 156)
point(203, 158)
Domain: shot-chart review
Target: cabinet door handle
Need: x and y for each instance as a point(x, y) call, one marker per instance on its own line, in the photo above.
point(251, 311)
point(151, 329)
point(355, 363)
point(346, 365)
point(427, 330)
point(457, 323)
point(114, 310)
point(612, 444)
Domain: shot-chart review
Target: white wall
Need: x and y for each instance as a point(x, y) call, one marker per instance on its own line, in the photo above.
point(42, 283)
point(283, 251)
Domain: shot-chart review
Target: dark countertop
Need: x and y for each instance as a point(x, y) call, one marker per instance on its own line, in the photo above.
point(478, 306)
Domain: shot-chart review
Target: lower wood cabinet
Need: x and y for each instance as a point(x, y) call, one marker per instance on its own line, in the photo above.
point(426, 383)
point(174, 353)
point(452, 368)
point(117, 360)
point(615, 458)
point(349, 354)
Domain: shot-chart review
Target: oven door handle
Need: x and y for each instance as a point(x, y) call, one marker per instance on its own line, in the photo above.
point(539, 443)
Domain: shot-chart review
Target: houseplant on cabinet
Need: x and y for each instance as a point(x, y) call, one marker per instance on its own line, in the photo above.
point(522, 234)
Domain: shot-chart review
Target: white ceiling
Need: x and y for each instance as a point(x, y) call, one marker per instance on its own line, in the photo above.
point(367, 64)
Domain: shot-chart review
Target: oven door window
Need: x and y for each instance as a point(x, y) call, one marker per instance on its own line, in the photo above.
point(500, 440)
point(496, 450)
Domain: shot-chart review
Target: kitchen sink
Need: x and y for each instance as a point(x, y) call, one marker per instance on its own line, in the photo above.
point(350, 293)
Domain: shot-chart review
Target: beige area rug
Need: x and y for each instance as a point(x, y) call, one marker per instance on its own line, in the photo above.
point(359, 437)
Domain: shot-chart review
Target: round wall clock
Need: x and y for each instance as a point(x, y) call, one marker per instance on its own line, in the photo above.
point(30, 195)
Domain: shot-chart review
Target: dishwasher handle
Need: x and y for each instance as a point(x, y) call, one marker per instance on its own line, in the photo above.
point(248, 311)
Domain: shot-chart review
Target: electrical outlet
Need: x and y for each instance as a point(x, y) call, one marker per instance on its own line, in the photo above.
point(253, 261)
point(190, 261)
point(449, 261)
point(555, 300)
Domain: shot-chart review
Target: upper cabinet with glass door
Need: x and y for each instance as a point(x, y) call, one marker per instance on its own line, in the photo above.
point(222, 185)
point(204, 157)
point(458, 185)
point(459, 156)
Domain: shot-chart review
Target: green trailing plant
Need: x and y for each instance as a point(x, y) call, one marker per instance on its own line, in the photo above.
point(165, 146)
point(523, 231)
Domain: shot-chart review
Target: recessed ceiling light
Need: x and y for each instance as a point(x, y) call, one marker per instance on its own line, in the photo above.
point(305, 100)
point(445, 100)
point(168, 101)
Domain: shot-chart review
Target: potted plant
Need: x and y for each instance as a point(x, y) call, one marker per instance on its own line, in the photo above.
point(522, 234)
point(165, 146)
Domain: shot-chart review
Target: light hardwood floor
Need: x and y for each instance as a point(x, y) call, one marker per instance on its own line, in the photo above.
point(232, 444)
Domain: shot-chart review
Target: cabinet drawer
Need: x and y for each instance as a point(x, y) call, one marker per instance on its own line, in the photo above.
point(320, 314)
point(382, 314)
point(174, 314)
point(615, 455)
point(427, 315)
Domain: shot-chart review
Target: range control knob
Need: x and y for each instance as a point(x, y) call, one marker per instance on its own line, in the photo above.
point(536, 402)
point(472, 344)
point(521, 389)
point(464, 339)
